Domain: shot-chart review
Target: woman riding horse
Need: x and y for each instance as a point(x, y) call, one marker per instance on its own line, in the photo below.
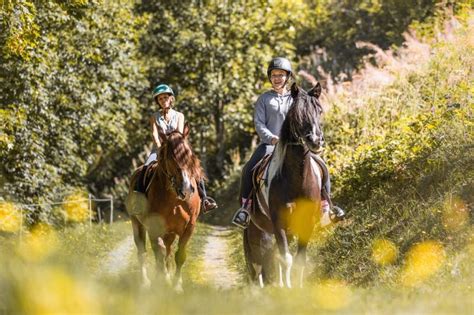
point(291, 189)
point(271, 109)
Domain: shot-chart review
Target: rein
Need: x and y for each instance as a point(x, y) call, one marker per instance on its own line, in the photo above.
point(167, 175)
point(301, 143)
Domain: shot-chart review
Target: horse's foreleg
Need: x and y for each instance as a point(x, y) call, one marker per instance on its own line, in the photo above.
point(280, 275)
point(168, 240)
point(304, 236)
point(139, 236)
point(159, 249)
point(180, 256)
point(285, 256)
point(301, 260)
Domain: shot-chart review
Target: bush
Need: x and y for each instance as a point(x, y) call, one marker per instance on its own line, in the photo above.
point(403, 164)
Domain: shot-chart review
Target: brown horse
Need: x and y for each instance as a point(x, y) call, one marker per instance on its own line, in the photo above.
point(291, 189)
point(173, 204)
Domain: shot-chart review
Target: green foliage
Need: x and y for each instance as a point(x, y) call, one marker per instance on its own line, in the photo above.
point(337, 26)
point(70, 98)
point(401, 157)
point(75, 78)
point(214, 54)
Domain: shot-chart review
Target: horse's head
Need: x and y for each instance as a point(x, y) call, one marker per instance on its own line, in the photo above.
point(302, 121)
point(179, 163)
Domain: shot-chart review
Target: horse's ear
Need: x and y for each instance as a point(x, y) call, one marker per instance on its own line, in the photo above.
point(294, 90)
point(316, 90)
point(186, 129)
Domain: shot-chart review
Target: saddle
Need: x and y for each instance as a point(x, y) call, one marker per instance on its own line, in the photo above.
point(260, 180)
point(136, 202)
point(148, 176)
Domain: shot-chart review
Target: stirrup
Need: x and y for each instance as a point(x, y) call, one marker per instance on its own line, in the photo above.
point(337, 214)
point(211, 202)
point(241, 218)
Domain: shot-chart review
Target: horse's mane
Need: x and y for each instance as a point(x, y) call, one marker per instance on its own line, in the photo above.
point(305, 107)
point(183, 154)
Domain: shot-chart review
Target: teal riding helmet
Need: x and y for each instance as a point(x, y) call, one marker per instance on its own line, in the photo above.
point(162, 89)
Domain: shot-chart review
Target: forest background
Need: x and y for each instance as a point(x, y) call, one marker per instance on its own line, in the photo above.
point(76, 80)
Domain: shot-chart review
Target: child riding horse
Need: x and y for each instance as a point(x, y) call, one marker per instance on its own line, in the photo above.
point(173, 203)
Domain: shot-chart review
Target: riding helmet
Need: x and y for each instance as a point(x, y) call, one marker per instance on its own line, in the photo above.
point(161, 89)
point(279, 63)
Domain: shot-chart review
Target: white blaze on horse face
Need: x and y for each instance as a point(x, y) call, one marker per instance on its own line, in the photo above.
point(316, 133)
point(187, 187)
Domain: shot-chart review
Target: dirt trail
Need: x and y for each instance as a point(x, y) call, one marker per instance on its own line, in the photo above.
point(216, 270)
point(119, 258)
point(216, 251)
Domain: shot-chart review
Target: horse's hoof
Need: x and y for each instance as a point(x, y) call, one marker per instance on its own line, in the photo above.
point(178, 288)
point(146, 284)
point(168, 279)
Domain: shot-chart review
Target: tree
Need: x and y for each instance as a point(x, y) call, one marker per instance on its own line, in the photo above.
point(71, 79)
point(337, 25)
point(215, 54)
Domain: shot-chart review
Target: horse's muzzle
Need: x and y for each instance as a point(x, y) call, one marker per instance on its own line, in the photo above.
point(314, 146)
point(186, 193)
point(314, 142)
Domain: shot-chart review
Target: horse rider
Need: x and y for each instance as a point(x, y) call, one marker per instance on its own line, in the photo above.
point(270, 112)
point(168, 120)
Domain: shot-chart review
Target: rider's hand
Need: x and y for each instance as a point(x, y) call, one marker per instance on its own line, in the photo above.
point(275, 140)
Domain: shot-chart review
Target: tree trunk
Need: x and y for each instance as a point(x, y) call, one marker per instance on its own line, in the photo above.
point(220, 137)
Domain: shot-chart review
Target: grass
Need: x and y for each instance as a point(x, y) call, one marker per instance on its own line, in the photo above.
point(71, 279)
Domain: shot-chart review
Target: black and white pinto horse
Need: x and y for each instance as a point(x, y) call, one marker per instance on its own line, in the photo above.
point(289, 195)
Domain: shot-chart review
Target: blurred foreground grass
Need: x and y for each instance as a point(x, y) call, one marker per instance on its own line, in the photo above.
point(67, 271)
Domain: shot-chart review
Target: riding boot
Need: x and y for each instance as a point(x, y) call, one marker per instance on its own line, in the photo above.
point(336, 214)
point(330, 214)
point(241, 217)
point(207, 203)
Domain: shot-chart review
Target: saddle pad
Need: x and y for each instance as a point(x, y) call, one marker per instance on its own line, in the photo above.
point(150, 173)
point(261, 181)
